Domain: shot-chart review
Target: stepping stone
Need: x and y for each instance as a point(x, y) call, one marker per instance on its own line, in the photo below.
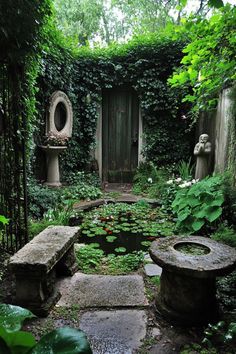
point(102, 291)
point(152, 270)
point(114, 332)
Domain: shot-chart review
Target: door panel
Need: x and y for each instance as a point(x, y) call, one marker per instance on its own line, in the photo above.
point(120, 134)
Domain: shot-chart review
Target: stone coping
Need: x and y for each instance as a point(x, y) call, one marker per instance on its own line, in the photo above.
point(45, 250)
point(125, 198)
point(219, 261)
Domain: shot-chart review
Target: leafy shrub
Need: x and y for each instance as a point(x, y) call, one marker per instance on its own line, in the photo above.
point(84, 191)
point(14, 341)
point(225, 235)
point(199, 205)
point(41, 199)
point(78, 177)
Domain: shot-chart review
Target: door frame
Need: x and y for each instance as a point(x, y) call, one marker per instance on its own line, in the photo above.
point(98, 147)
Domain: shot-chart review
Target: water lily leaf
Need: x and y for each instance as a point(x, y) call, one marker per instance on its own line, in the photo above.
point(146, 243)
point(111, 238)
point(120, 249)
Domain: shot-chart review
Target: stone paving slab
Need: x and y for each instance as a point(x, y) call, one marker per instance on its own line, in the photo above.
point(102, 291)
point(114, 332)
point(152, 270)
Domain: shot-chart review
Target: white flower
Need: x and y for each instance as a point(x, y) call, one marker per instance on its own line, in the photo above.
point(188, 184)
point(170, 181)
point(185, 184)
point(149, 180)
point(178, 180)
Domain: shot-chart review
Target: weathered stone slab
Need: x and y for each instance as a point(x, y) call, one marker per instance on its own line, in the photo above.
point(102, 291)
point(87, 205)
point(152, 270)
point(44, 251)
point(114, 332)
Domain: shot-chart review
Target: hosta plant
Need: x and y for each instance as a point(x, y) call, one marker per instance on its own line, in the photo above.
point(14, 341)
point(199, 204)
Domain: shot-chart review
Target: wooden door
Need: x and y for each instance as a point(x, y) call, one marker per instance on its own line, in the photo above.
point(120, 129)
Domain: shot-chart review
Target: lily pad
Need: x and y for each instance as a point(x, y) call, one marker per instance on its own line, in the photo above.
point(111, 238)
point(120, 249)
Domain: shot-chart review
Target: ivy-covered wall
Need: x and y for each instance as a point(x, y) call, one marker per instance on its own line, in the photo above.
point(145, 64)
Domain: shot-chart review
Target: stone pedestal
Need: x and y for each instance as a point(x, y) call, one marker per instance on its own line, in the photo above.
point(187, 300)
point(53, 173)
point(187, 294)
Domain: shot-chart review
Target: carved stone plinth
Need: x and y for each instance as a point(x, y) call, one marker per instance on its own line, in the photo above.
point(187, 292)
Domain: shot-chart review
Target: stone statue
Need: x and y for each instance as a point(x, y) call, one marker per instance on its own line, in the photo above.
point(202, 150)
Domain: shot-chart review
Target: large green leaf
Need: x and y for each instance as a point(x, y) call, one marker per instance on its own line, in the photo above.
point(20, 342)
point(12, 317)
point(3, 347)
point(197, 224)
point(63, 341)
point(213, 213)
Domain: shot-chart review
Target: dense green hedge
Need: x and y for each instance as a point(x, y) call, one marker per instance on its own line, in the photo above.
point(145, 64)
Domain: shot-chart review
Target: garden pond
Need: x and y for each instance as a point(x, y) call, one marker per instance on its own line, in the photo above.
point(123, 228)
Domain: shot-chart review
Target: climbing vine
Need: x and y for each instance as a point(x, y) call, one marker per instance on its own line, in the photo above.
point(145, 64)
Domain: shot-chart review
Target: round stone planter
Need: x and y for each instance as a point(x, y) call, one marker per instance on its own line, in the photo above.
point(53, 173)
point(190, 265)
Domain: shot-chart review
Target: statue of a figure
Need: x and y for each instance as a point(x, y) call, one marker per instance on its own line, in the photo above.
point(202, 150)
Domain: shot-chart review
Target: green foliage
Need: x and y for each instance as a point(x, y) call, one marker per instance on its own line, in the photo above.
point(64, 341)
point(3, 221)
point(91, 259)
point(225, 235)
point(41, 199)
point(220, 333)
point(149, 180)
point(124, 264)
point(185, 169)
point(209, 61)
point(14, 341)
point(17, 40)
point(199, 205)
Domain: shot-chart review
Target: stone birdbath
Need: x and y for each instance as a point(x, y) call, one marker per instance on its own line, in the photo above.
point(58, 130)
point(53, 174)
point(190, 265)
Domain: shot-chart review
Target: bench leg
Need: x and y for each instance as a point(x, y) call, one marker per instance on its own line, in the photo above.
point(36, 292)
point(67, 264)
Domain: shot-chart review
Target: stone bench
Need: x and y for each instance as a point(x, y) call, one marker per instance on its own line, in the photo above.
point(37, 265)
